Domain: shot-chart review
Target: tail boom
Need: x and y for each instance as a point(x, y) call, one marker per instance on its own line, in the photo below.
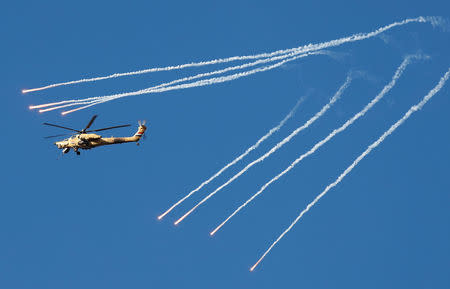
point(115, 140)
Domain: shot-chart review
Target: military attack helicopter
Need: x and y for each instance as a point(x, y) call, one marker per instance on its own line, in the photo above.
point(85, 139)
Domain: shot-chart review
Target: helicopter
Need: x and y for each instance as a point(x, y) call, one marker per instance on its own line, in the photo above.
point(85, 139)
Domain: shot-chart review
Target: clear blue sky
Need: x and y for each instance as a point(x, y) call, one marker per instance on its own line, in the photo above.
point(90, 221)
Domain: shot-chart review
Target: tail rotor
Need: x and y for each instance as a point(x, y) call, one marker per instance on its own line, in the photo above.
point(144, 136)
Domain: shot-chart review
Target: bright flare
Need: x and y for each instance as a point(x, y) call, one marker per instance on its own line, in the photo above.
point(36, 89)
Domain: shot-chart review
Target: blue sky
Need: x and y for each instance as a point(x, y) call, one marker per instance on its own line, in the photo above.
point(90, 221)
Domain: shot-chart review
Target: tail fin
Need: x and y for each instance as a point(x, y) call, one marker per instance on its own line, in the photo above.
point(141, 130)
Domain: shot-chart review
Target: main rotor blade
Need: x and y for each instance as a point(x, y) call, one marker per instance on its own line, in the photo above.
point(61, 127)
point(90, 123)
point(64, 134)
point(125, 125)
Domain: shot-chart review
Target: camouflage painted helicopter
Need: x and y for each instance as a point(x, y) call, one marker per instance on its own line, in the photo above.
point(85, 139)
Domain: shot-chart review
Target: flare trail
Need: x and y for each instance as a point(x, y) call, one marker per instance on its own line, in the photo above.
point(304, 48)
point(204, 82)
point(253, 147)
point(413, 109)
point(276, 147)
point(377, 98)
point(100, 99)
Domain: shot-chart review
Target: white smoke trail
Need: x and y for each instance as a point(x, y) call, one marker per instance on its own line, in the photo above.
point(276, 147)
point(413, 109)
point(377, 98)
point(198, 83)
point(304, 48)
point(220, 71)
point(73, 102)
point(240, 157)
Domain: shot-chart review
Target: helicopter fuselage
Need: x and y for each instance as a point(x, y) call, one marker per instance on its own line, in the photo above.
point(87, 141)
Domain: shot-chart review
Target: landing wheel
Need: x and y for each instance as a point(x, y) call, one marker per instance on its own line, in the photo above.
point(78, 153)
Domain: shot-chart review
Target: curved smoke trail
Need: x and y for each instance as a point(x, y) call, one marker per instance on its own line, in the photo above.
point(198, 83)
point(276, 147)
point(240, 157)
point(349, 122)
point(413, 109)
point(74, 102)
point(304, 48)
